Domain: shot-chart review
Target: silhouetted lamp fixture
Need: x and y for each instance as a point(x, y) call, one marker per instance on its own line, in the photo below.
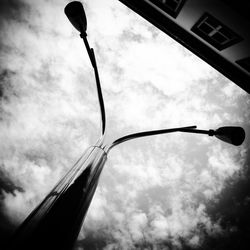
point(232, 135)
point(76, 15)
point(229, 134)
point(56, 222)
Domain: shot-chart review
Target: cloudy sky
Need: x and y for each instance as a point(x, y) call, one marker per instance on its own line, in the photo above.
point(175, 191)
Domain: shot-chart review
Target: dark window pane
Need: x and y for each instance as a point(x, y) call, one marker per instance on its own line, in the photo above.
point(227, 33)
point(220, 38)
point(214, 23)
point(172, 4)
point(204, 27)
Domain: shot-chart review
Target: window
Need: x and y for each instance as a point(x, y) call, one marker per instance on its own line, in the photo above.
point(172, 7)
point(214, 32)
point(244, 63)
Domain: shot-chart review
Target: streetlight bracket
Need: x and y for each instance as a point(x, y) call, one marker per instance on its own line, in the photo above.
point(91, 54)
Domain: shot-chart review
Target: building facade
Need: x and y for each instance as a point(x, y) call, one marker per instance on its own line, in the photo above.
point(218, 31)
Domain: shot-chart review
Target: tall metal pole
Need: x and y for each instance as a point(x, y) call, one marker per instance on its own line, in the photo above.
point(56, 222)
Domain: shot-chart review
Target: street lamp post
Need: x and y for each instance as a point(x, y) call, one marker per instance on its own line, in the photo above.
point(56, 222)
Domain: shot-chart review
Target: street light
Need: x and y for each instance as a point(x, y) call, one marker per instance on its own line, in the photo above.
point(56, 222)
point(233, 135)
point(76, 15)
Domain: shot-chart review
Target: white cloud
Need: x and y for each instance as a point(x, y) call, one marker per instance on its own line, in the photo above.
point(222, 162)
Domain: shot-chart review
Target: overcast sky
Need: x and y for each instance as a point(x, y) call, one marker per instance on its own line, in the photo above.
point(170, 191)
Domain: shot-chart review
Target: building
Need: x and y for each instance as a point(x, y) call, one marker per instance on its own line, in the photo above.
point(218, 31)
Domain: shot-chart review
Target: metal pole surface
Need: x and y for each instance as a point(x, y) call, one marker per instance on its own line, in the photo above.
point(56, 222)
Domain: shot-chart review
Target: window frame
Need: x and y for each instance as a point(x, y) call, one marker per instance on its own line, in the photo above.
point(162, 4)
point(217, 28)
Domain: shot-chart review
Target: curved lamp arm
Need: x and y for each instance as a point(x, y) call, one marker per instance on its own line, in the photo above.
point(147, 133)
point(232, 135)
point(76, 15)
point(98, 84)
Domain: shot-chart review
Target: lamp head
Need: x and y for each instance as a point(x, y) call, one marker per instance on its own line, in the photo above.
point(76, 15)
point(232, 135)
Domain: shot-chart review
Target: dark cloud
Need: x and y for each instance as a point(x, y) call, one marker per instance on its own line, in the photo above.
point(11, 9)
point(6, 89)
point(93, 240)
point(6, 229)
point(6, 184)
point(12, 12)
point(231, 207)
point(6, 226)
point(128, 35)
